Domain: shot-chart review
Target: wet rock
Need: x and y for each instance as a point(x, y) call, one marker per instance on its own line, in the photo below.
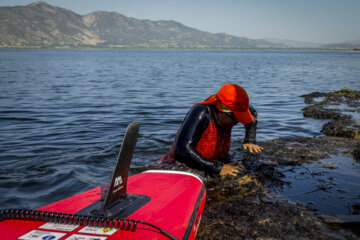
point(241, 208)
point(246, 207)
point(342, 127)
point(356, 153)
point(356, 210)
point(318, 112)
point(348, 93)
point(299, 150)
point(332, 106)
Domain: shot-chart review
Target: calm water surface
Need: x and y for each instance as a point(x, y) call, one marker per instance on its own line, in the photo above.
point(63, 113)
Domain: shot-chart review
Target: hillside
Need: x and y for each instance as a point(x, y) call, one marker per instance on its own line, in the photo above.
point(44, 25)
point(345, 45)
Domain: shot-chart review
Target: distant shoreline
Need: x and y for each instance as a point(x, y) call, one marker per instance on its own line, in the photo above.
point(134, 48)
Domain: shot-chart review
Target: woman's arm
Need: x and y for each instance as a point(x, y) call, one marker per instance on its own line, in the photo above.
point(195, 123)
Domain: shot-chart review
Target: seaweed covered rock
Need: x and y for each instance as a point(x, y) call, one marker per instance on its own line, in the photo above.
point(299, 150)
point(356, 153)
point(248, 207)
point(342, 127)
point(241, 208)
point(338, 106)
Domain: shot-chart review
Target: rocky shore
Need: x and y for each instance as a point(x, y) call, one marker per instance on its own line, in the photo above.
point(249, 207)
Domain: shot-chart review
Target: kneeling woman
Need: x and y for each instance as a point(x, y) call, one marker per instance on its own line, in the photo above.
point(203, 140)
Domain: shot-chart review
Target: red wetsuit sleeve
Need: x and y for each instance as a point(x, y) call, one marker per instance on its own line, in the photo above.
point(194, 124)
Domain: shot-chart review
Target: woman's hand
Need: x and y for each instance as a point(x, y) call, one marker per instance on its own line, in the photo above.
point(253, 148)
point(229, 169)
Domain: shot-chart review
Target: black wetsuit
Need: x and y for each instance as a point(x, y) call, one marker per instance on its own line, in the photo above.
point(190, 132)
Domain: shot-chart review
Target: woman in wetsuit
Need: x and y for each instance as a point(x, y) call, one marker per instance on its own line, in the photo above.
point(203, 140)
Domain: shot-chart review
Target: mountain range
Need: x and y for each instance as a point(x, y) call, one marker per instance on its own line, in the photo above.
point(42, 25)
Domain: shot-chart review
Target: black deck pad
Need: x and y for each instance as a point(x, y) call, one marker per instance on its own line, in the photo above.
point(122, 209)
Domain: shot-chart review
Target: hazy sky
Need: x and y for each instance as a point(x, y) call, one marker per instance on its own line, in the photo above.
point(319, 21)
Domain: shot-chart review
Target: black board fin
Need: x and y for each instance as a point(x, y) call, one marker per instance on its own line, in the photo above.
point(117, 203)
point(118, 184)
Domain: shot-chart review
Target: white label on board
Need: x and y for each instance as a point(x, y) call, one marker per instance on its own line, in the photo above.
point(98, 230)
point(42, 235)
point(85, 237)
point(59, 227)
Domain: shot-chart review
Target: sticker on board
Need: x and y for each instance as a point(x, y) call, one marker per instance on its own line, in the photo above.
point(85, 237)
point(59, 227)
point(42, 235)
point(97, 230)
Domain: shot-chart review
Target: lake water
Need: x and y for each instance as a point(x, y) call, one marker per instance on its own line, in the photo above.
point(63, 113)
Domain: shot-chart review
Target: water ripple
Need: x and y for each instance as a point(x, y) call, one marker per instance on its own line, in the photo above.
point(64, 113)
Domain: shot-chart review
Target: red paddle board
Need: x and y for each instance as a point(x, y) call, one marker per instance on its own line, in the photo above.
point(149, 205)
point(175, 204)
